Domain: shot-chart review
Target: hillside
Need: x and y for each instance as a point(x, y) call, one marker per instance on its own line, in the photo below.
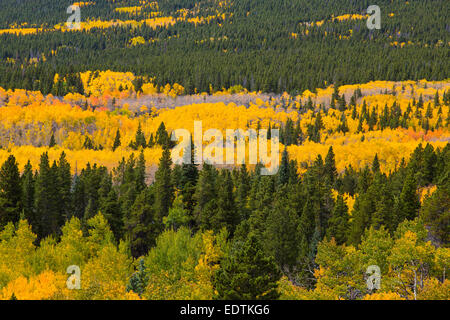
point(119, 178)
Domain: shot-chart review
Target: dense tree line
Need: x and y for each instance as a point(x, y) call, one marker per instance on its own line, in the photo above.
point(282, 217)
point(252, 48)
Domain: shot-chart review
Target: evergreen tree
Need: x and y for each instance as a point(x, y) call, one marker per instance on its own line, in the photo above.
point(188, 181)
point(140, 175)
point(28, 189)
point(164, 191)
point(429, 165)
point(283, 176)
point(64, 184)
point(247, 274)
point(330, 167)
point(226, 214)
point(10, 192)
point(436, 99)
point(52, 142)
point(109, 206)
point(47, 199)
point(281, 236)
point(375, 164)
point(143, 224)
point(139, 140)
point(117, 142)
point(436, 214)
point(409, 203)
point(338, 225)
point(162, 136)
point(206, 196)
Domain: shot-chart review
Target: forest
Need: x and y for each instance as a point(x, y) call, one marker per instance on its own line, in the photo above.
point(358, 185)
point(87, 176)
point(271, 45)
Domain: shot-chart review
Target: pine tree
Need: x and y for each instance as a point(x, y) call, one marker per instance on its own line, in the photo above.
point(360, 220)
point(140, 173)
point(162, 136)
point(206, 197)
point(281, 235)
point(226, 214)
point(242, 190)
point(436, 99)
point(409, 203)
point(429, 165)
point(52, 142)
point(10, 192)
point(139, 140)
point(117, 142)
point(109, 206)
point(330, 167)
point(283, 176)
point(164, 191)
point(47, 198)
point(247, 274)
point(308, 226)
point(87, 144)
point(64, 184)
point(188, 181)
point(338, 225)
point(436, 213)
point(78, 197)
point(375, 164)
point(143, 224)
point(28, 189)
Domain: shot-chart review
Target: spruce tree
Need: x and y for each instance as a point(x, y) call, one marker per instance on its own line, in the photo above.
point(140, 175)
point(164, 190)
point(242, 190)
point(226, 214)
point(28, 189)
point(247, 274)
point(47, 198)
point(206, 197)
point(375, 164)
point(188, 181)
point(109, 206)
point(281, 235)
point(409, 203)
point(142, 223)
point(283, 175)
point(162, 136)
point(117, 141)
point(64, 185)
point(140, 141)
point(338, 225)
point(10, 192)
point(330, 167)
point(52, 142)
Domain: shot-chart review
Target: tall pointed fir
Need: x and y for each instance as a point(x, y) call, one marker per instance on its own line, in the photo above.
point(10, 192)
point(47, 198)
point(164, 190)
point(247, 274)
point(28, 189)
